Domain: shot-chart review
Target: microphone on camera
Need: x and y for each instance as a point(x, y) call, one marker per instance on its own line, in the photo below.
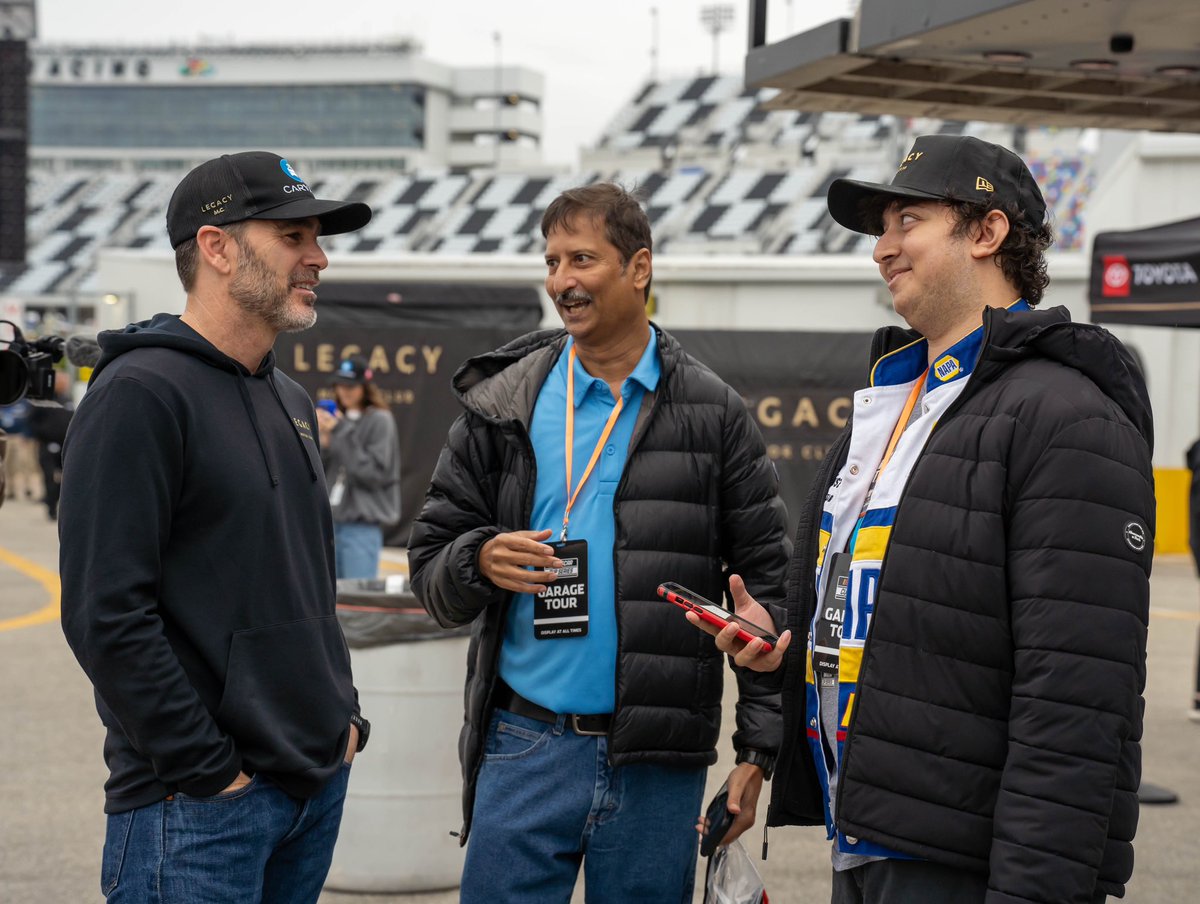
point(82, 351)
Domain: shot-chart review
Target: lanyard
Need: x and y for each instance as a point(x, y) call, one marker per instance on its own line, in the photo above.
point(897, 432)
point(608, 429)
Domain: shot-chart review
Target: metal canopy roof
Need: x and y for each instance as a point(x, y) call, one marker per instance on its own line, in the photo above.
point(1026, 62)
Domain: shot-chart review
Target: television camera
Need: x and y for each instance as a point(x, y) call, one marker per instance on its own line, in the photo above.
point(27, 366)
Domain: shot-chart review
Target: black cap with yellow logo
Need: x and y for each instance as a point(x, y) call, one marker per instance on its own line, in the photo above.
point(253, 185)
point(944, 168)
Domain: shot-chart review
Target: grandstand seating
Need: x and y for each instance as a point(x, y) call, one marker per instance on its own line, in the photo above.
point(716, 172)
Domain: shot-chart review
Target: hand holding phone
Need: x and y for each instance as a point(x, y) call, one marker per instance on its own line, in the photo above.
point(717, 820)
point(755, 656)
point(715, 615)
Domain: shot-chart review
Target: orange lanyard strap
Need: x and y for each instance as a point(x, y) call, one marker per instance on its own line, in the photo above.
point(608, 429)
point(898, 430)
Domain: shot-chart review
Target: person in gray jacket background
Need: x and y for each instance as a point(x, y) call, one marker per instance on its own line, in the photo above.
point(361, 452)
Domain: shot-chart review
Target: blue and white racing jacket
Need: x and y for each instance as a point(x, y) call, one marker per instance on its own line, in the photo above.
point(857, 517)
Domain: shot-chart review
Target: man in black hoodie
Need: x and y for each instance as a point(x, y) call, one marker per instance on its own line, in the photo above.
point(197, 561)
point(971, 571)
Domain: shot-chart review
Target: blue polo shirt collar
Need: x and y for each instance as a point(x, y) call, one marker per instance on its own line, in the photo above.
point(646, 373)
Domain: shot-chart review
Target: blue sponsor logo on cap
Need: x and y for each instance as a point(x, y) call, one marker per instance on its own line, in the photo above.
point(287, 168)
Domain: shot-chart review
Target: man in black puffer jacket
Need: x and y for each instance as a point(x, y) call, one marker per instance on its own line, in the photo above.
point(971, 569)
point(591, 717)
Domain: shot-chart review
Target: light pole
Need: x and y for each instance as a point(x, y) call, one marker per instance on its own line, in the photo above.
point(716, 19)
point(654, 43)
point(496, 116)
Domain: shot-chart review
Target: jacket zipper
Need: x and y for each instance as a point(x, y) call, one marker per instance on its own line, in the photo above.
point(833, 462)
point(633, 444)
point(495, 666)
point(950, 411)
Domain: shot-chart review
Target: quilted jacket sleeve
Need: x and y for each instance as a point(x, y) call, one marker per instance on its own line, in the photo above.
point(457, 519)
point(755, 546)
point(1080, 544)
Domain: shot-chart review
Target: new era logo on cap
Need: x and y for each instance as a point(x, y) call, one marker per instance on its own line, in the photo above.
point(945, 168)
point(253, 185)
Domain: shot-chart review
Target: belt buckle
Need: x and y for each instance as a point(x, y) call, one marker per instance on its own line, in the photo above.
point(579, 731)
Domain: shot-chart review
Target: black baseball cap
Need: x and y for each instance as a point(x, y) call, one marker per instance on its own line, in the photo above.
point(353, 369)
point(945, 168)
point(253, 185)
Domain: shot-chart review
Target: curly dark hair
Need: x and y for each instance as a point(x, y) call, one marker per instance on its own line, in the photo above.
point(625, 223)
point(1022, 255)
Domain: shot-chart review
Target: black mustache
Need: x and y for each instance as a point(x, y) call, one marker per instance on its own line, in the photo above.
point(564, 297)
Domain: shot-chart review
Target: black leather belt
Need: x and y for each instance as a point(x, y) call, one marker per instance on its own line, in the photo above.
point(507, 698)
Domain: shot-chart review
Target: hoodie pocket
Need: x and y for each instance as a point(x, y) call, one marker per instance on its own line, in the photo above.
point(288, 695)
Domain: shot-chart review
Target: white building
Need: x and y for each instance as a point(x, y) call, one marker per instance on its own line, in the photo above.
point(338, 105)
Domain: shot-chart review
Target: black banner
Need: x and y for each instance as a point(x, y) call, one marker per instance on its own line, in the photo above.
point(413, 367)
point(798, 387)
point(14, 150)
point(1147, 277)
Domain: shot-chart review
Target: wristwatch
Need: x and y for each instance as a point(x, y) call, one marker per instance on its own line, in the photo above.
point(364, 730)
point(760, 758)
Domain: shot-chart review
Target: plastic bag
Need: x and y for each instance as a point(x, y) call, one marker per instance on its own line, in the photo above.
point(732, 878)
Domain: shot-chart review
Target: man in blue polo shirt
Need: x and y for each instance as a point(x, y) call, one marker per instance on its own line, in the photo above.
point(591, 465)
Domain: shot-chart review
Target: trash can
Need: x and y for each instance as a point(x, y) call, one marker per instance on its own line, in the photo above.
point(405, 793)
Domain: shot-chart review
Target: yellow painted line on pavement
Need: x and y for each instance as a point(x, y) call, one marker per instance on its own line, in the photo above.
point(45, 577)
point(1175, 614)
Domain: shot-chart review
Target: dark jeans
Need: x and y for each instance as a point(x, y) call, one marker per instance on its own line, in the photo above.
point(547, 801)
point(911, 882)
point(256, 845)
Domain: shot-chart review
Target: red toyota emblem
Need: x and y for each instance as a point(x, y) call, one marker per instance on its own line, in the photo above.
point(1116, 276)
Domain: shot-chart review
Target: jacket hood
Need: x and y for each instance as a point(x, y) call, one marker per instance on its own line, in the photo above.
point(1092, 350)
point(169, 331)
point(500, 384)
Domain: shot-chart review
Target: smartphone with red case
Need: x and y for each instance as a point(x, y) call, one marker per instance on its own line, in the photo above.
point(716, 615)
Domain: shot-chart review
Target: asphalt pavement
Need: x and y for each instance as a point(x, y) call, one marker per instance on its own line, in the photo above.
point(52, 775)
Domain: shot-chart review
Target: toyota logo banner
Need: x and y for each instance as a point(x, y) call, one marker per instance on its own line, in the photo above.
point(1147, 276)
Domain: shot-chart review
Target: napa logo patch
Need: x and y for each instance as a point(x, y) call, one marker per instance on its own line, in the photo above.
point(946, 368)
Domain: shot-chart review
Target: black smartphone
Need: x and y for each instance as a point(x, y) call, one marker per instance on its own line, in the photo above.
point(719, 820)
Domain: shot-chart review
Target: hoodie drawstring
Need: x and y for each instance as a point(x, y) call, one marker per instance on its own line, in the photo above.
point(295, 430)
point(241, 382)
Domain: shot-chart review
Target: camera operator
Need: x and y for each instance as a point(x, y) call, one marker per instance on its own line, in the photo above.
point(27, 369)
point(48, 426)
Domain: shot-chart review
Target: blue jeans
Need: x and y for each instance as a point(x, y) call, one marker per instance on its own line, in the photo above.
point(356, 548)
point(547, 800)
point(256, 844)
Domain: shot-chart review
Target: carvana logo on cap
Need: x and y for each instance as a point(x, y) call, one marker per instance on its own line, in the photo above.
point(287, 168)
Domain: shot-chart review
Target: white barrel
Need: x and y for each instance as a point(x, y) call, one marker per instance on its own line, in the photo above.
point(405, 793)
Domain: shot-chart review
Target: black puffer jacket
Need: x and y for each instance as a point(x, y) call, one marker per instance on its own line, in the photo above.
point(698, 494)
point(999, 713)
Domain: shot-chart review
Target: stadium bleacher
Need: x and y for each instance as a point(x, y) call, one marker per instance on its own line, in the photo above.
point(716, 172)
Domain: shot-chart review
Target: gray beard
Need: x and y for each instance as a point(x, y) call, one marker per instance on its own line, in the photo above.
point(256, 291)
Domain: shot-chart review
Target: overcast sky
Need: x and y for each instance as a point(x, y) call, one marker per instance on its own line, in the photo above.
point(595, 54)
